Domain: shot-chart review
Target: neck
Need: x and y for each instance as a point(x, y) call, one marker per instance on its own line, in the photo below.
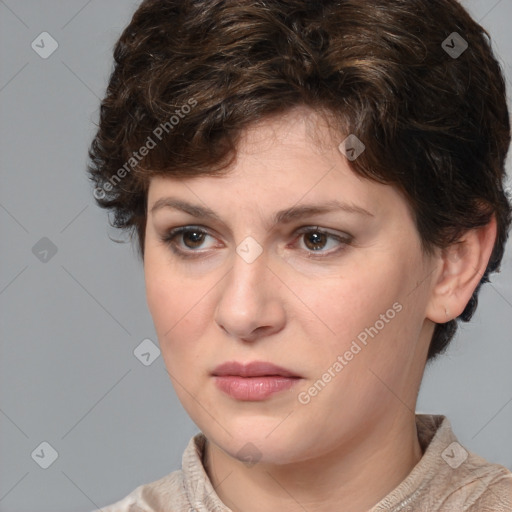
point(352, 477)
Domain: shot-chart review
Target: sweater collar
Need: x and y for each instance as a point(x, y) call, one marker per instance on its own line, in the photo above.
point(434, 435)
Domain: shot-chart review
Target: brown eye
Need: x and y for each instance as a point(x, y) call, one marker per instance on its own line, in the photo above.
point(194, 236)
point(184, 240)
point(314, 239)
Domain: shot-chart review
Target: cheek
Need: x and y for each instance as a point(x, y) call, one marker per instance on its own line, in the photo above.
point(350, 304)
point(167, 293)
point(367, 313)
point(179, 311)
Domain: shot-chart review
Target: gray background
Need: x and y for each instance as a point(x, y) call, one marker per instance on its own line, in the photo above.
point(69, 325)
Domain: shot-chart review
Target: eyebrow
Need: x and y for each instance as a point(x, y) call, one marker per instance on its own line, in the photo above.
point(281, 217)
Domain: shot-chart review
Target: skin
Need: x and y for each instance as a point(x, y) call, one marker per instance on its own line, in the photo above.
point(356, 439)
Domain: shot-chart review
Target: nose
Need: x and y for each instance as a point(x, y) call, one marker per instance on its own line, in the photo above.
point(250, 306)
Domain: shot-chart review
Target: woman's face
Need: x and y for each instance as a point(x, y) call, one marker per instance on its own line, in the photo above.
point(337, 298)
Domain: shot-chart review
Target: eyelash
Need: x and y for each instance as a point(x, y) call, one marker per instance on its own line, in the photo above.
point(169, 237)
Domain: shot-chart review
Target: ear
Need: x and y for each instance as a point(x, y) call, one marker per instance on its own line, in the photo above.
point(462, 266)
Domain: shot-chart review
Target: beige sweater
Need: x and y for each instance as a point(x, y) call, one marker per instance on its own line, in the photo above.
point(448, 478)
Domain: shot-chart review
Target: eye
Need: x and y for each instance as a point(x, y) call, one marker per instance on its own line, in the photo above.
point(316, 239)
point(193, 237)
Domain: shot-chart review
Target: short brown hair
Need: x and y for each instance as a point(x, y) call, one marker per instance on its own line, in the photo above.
point(190, 75)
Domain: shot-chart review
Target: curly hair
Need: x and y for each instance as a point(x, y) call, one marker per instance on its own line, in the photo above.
point(415, 80)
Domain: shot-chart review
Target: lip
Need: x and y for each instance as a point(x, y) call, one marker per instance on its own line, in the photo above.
point(252, 369)
point(254, 381)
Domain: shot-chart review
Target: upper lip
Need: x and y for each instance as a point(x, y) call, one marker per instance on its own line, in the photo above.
point(252, 369)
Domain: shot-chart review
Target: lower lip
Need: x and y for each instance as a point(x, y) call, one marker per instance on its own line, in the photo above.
point(253, 388)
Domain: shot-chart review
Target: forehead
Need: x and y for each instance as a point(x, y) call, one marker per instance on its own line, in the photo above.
point(282, 160)
point(313, 129)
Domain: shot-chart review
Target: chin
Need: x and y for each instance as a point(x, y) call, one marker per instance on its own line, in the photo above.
point(259, 441)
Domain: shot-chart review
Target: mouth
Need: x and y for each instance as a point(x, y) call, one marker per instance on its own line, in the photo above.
point(254, 381)
point(252, 369)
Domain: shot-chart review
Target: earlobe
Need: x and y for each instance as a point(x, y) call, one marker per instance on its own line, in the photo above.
point(462, 266)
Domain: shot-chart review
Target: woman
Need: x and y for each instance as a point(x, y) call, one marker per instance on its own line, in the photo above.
point(317, 193)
